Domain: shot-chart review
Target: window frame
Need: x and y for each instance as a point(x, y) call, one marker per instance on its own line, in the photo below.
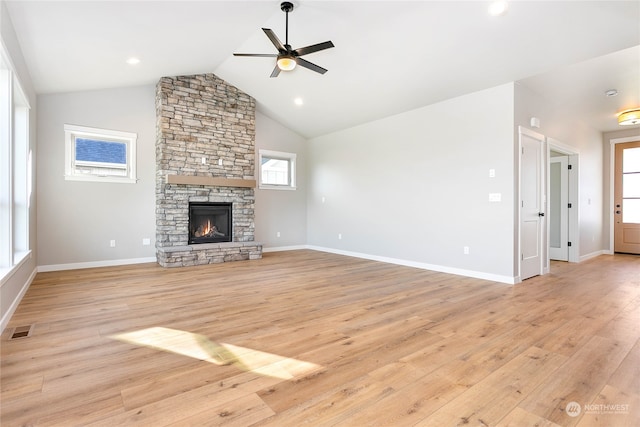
point(72, 173)
point(16, 170)
point(279, 155)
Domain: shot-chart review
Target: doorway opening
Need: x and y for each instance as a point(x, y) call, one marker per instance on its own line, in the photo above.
point(559, 206)
point(563, 202)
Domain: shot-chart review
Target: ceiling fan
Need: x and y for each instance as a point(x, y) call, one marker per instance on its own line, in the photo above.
point(288, 58)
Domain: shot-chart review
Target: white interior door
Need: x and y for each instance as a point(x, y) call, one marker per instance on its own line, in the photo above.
point(559, 208)
point(531, 205)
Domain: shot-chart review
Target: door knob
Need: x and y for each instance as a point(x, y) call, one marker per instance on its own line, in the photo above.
point(540, 213)
point(618, 212)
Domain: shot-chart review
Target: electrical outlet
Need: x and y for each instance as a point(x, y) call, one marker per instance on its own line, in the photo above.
point(465, 250)
point(339, 236)
point(112, 243)
point(146, 241)
point(278, 234)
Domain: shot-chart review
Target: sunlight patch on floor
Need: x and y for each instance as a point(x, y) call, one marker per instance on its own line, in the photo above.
point(202, 348)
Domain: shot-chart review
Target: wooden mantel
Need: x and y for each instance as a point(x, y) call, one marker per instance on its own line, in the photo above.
point(210, 181)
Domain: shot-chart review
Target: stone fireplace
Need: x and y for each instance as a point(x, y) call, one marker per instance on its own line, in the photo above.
point(205, 156)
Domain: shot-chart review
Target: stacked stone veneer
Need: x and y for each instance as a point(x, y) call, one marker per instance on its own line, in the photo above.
point(203, 116)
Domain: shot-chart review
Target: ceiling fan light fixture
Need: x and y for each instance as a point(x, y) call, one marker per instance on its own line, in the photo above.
point(629, 117)
point(286, 62)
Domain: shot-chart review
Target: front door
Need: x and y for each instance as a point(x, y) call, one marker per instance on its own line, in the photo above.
point(627, 198)
point(531, 208)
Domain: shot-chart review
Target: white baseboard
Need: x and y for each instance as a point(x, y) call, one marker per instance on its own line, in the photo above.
point(592, 255)
point(14, 305)
point(284, 248)
point(424, 266)
point(93, 264)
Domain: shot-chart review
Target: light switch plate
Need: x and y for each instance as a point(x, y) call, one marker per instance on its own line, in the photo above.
point(495, 197)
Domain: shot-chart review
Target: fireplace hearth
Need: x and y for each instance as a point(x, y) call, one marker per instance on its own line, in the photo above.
point(210, 222)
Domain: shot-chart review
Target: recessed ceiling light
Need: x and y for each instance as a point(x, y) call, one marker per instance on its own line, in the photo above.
point(133, 61)
point(611, 92)
point(298, 101)
point(498, 7)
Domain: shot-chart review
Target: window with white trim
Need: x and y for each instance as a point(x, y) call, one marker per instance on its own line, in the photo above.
point(277, 170)
point(93, 154)
point(15, 170)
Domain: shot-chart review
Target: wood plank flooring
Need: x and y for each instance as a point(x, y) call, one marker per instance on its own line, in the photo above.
point(309, 338)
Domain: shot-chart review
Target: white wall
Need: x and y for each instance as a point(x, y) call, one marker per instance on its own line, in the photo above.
point(76, 220)
point(283, 211)
point(414, 187)
point(556, 122)
point(17, 282)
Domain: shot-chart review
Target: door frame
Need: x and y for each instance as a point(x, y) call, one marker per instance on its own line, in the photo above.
point(543, 250)
point(561, 252)
point(574, 199)
point(612, 173)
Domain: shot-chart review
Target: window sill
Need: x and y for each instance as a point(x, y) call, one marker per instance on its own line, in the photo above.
point(7, 272)
point(276, 187)
point(93, 178)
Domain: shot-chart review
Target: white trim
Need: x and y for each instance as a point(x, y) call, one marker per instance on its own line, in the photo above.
point(94, 264)
point(593, 255)
point(612, 177)
point(14, 305)
point(560, 253)
point(424, 266)
point(284, 248)
point(281, 155)
point(574, 194)
point(8, 272)
point(128, 138)
point(99, 133)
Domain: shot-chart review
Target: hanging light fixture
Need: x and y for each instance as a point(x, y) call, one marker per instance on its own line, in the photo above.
point(629, 117)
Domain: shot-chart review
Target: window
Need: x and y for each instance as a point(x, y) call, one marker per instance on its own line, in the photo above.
point(277, 170)
point(99, 155)
point(15, 169)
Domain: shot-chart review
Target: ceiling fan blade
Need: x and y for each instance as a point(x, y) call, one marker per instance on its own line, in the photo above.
point(313, 48)
point(265, 55)
point(274, 39)
point(313, 67)
point(275, 71)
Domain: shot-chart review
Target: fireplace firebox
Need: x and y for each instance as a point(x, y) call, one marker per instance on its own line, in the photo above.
point(210, 222)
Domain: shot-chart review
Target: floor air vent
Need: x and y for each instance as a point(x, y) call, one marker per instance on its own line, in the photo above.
point(21, 332)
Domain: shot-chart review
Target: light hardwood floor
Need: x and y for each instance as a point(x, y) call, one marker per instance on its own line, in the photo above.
point(310, 338)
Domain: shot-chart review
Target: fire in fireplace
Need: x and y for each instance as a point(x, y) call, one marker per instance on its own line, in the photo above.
point(210, 222)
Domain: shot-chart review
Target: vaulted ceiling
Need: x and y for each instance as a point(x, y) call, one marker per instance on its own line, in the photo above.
point(389, 56)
